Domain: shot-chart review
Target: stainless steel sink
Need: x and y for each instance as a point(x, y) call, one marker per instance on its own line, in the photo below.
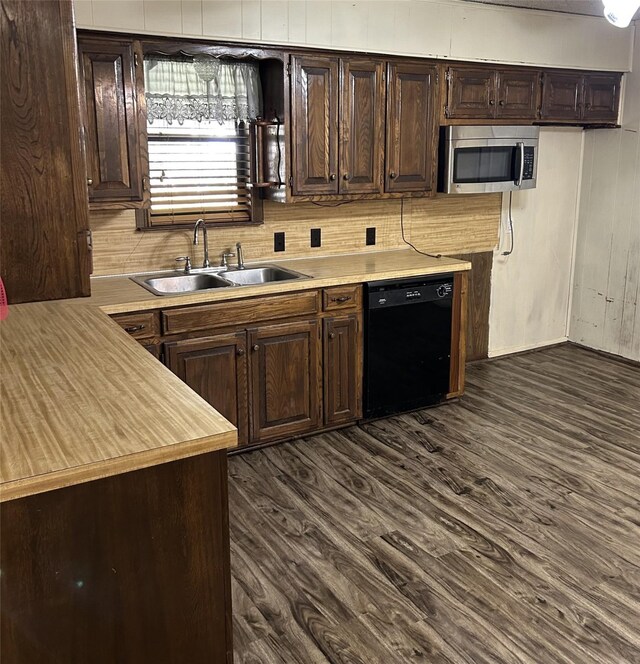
point(166, 284)
point(262, 274)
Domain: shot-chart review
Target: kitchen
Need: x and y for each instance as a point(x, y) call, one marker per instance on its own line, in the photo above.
point(531, 455)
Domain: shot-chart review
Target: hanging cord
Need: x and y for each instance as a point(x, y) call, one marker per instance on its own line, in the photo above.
point(424, 253)
point(508, 253)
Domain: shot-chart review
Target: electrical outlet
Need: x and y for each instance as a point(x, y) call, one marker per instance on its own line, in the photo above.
point(278, 241)
point(371, 235)
point(316, 237)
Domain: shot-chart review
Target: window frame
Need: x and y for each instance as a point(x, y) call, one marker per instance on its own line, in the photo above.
point(144, 221)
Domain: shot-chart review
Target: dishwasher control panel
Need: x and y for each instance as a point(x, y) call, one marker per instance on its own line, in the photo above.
point(382, 294)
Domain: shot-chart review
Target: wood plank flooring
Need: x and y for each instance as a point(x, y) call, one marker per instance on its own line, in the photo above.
point(501, 528)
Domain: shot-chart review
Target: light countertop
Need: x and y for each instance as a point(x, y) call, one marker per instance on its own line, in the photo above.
point(81, 400)
point(121, 295)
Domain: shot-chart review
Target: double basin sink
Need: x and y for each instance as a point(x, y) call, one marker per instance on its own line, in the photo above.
point(197, 281)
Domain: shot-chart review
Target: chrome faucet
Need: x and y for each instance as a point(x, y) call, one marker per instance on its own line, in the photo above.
point(201, 223)
point(240, 256)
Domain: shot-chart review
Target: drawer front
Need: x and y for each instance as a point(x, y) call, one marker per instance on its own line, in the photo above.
point(142, 325)
point(339, 298)
point(240, 312)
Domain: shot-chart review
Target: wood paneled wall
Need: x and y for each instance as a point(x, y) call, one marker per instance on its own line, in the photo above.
point(446, 224)
point(606, 289)
point(423, 28)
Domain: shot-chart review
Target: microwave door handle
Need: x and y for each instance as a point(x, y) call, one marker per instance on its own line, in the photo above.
point(521, 174)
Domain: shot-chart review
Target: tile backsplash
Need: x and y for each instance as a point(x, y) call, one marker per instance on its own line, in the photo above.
point(445, 224)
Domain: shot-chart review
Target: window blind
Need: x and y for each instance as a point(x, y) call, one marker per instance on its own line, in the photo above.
point(193, 177)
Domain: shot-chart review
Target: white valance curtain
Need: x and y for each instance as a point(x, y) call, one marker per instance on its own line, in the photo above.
point(202, 88)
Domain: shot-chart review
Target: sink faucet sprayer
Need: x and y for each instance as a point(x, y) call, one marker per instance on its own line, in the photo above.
point(201, 223)
point(240, 256)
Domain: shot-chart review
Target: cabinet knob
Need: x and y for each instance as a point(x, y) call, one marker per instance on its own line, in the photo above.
point(501, 102)
point(332, 335)
point(240, 352)
point(345, 176)
point(89, 182)
point(256, 347)
point(332, 177)
point(392, 175)
point(491, 102)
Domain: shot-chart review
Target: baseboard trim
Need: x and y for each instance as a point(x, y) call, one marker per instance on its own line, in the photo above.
point(498, 352)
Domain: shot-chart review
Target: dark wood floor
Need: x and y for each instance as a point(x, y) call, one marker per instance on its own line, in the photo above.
point(501, 528)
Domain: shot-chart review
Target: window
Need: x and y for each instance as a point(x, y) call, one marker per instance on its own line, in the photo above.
point(198, 114)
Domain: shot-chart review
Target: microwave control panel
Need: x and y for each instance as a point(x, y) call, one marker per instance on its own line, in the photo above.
point(529, 155)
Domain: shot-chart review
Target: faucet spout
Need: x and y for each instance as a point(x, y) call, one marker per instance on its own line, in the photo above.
point(201, 224)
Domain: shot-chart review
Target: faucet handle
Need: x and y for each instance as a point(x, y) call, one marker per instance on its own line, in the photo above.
point(187, 263)
point(225, 256)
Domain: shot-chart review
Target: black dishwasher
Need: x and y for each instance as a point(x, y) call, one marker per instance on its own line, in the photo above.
point(407, 343)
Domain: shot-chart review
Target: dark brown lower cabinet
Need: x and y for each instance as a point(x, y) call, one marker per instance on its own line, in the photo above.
point(286, 379)
point(131, 569)
point(216, 368)
point(342, 369)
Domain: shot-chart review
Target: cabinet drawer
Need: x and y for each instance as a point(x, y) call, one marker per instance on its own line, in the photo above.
point(239, 312)
point(339, 298)
point(142, 325)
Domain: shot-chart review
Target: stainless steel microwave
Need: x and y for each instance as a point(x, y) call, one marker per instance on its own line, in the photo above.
point(481, 159)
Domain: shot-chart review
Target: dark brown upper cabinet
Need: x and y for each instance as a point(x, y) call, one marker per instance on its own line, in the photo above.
point(488, 93)
point(314, 125)
point(580, 98)
point(115, 122)
point(412, 127)
point(337, 126)
point(362, 96)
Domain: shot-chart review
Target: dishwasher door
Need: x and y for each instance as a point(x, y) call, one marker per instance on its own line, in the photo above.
point(407, 344)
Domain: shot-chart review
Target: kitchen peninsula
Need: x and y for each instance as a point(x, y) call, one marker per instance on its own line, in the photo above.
point(114, 498)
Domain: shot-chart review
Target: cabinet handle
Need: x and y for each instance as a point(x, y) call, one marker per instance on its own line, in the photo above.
point(256, 347)
point(89, 182)
point(392, 175)
point(491, 102)
point(332, 177)
point(501, 102)
point(345, 176)
point(133, 328)
point(342, 298)
point(332, 335)
point(240, 352)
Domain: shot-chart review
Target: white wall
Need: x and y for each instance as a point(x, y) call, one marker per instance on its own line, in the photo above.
point(437, 28)
point(530, 289)
point(605, 312)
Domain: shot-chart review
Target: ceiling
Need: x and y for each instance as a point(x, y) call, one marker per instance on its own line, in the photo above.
point(589, 7)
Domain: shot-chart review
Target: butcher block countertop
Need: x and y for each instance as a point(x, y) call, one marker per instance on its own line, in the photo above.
point(115, 295)
point(81, 400)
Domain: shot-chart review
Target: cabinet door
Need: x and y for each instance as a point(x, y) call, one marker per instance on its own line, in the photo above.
point(44, 253)
point(314, 123)
point(342, 369)
point(561, 96)
point(472, 93)
point(411, 127)
point(362, 113)
point(216, 368)
point(518, 94)
point(601, 97)
point(113, 92)
point(285, 380)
